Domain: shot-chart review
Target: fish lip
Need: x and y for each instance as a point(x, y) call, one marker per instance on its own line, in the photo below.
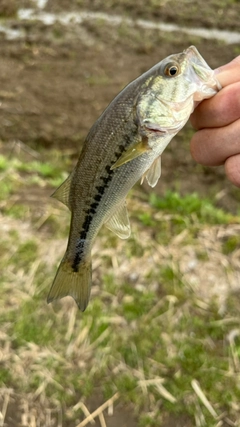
point(198, 62)
point(194, 56)
point(200, 73)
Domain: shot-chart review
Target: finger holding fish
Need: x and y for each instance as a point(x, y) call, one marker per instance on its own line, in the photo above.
point(223, 108)
point(220, 110)
point(217, 120)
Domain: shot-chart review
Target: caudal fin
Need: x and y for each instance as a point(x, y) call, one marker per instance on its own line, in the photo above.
point(76, 284)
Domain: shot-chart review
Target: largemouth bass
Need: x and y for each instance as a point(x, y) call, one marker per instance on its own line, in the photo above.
point(124, 145)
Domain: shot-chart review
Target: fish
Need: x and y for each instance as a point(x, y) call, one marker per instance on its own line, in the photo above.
point(123, 146)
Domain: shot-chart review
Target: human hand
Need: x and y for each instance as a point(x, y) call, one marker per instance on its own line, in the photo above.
point(217, 120)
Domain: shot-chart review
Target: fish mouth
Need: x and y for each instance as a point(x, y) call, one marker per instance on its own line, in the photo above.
point(200, 68)
point(195, 57)
point(201, 74)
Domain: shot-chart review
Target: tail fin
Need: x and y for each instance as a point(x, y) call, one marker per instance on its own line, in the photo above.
point(76, 284)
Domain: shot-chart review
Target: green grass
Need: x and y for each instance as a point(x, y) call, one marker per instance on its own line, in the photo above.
point(230, 244)
point(190, 208)
point(42, 172)
point(149, 330)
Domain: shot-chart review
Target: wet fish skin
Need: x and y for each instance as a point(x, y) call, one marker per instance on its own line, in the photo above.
point(123, 145)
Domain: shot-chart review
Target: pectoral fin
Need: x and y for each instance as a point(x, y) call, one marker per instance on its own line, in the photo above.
point(119, 222)
point(62, 192)
point(132, 152)
point(153, 173)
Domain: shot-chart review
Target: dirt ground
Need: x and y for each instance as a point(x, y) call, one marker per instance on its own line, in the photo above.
point(56, 81)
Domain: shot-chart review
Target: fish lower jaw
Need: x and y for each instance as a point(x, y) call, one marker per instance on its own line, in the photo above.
point(205, 93)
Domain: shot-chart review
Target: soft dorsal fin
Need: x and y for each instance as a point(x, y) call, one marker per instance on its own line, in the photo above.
point(119, 222)
point(153, 173)
point(62, 192)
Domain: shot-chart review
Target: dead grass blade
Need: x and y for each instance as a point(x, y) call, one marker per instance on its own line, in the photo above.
point(4, 407)
point(196, 387)
point(99, 411)
point(85, 410)
point(157, 383)
point(102, 420)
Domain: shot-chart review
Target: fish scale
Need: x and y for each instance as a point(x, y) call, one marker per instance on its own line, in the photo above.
point(123, 145)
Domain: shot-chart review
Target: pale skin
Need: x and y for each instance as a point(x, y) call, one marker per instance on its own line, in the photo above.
point(217, 121)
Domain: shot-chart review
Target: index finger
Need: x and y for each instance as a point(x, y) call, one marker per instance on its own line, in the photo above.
point(220, 110)
point(229, 73)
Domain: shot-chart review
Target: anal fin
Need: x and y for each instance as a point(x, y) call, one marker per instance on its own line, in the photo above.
point(118, 223)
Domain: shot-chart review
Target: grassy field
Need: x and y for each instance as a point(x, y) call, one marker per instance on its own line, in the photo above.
point(161, 333)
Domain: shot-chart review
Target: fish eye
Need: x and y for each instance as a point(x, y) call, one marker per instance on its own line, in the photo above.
point(171, 70)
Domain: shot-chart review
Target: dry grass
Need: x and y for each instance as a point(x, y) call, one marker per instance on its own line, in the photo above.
point(161, 332)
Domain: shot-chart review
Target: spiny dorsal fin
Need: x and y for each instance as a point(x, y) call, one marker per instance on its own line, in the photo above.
point(119, 222)
point(62, 192)
point(153, 174)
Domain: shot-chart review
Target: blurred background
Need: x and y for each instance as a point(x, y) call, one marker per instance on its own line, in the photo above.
point(159, 343)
